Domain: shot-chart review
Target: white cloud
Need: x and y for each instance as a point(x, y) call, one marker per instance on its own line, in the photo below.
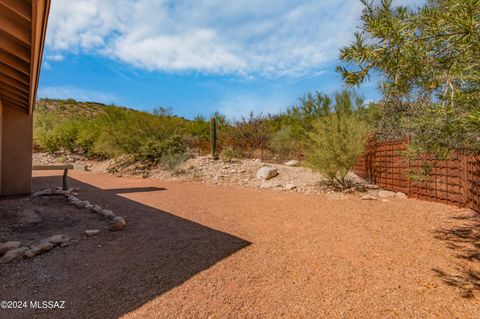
point(67, 92)
point(55, 57)
point(266, 37)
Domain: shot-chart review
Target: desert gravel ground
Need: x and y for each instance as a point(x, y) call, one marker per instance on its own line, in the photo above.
point(192, 250)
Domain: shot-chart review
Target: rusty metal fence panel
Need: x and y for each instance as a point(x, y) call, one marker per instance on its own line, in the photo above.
point(455, 181)
point(472, 174)
point(390, 168)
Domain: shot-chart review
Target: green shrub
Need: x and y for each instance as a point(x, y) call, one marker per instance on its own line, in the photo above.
point(284, 144)
point(336, 141)
point(52, 133)
point(173, 160)
point(161, 151)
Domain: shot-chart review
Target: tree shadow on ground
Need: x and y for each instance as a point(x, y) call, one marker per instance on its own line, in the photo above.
point(464, 240)
point(111, 274)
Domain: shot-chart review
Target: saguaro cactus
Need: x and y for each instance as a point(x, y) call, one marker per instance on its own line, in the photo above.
point(213, 137)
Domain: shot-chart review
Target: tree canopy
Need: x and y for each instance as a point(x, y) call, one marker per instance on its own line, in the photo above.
point(428, 59)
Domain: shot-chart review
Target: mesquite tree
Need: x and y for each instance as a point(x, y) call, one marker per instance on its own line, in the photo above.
point(428, 60)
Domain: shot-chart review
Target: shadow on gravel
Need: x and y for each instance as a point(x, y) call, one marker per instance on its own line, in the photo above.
point(111, 274)
point(464, 240)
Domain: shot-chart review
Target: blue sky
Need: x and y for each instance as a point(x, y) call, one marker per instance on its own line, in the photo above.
point(197, 56)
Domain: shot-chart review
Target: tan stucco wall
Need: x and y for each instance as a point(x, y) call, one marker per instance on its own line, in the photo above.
point(16, 151)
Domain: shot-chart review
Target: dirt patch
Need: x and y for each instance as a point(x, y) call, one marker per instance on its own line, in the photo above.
point(31, 219)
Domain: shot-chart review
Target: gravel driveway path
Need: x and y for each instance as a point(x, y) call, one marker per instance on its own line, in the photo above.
point(203, 251)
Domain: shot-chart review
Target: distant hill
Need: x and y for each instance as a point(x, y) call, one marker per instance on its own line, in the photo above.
point(70, 108)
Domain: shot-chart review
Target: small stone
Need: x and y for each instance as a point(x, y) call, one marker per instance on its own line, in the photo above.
point(72, 199)
point(117, 223)
point(369, 197)
point(107, 213)
point(91, 232)
point(82, 204)
point(9, 245)
point(266, 172)
point(290, 186)
point(270, 185)
point(401, 195)
point(291, 163)
point(79, 204)
point(39, 249)
point(385, 194)
point(55, 239)
point(42, 192)
point(12, 254)
point(218, 177)
point(97, 209)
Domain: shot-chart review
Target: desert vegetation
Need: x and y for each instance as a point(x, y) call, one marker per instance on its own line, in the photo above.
point(160, 138)
point(427, 59)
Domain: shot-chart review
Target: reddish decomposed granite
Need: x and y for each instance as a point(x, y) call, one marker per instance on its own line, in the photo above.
point(202, 251)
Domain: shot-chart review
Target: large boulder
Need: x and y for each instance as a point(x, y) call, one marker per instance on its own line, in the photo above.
point(266, 172)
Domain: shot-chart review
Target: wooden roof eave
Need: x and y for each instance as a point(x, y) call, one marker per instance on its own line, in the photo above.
point(40, 11)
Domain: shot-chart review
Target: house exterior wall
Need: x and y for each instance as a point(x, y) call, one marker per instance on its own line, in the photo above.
point(1, 143)
point(16, 141)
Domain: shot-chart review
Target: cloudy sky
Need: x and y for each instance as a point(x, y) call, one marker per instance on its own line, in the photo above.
point(197, 56)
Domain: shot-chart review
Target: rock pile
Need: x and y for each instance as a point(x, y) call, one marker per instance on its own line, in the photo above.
point(115, 223)
point(13, 249)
